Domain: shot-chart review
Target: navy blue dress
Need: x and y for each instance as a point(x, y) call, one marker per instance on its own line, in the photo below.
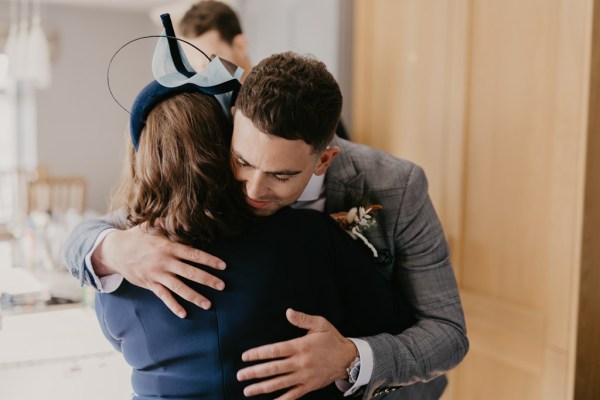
point(295, 258)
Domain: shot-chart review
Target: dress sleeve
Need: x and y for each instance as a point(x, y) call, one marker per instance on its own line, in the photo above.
point(98, 305)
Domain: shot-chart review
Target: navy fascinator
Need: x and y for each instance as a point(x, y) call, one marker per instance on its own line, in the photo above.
point(174, 75)
point(146, 100)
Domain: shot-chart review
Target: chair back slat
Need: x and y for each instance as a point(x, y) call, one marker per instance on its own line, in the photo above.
point(54, 194)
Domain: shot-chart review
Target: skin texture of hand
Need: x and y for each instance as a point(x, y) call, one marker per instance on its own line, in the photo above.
point(301, 365)
point(150, 260)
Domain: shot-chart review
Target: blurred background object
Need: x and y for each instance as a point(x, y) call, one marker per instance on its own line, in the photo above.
point(56, 194)
point(42, 211)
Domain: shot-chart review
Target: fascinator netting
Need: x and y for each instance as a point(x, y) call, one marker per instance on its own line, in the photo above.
point(174, 74)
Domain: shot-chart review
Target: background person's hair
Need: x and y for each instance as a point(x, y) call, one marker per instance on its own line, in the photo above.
point(294, 97)
point(180, 180)
point(208, 14)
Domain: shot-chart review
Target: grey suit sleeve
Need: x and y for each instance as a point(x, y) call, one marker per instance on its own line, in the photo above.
point(422, 270)
point(82, 239)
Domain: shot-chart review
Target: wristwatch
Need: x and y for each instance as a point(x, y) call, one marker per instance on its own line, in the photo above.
point(353, 370)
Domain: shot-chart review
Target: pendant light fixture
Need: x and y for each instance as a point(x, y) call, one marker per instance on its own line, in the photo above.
point(27, 47)
point(38, 54)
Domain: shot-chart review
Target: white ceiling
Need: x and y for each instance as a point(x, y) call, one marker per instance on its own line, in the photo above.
point(130, 5)
point(154, 8)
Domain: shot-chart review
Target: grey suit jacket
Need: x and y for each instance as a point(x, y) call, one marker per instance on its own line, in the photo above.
point(409, 365)
point(418, 265)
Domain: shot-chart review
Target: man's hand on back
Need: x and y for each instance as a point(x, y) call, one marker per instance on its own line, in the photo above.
point(150, 260)
point(300, 365)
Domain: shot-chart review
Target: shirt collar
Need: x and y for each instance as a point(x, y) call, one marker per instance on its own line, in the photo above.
point(313, 189)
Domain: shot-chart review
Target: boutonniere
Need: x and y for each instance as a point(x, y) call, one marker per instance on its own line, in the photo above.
point(358, 220)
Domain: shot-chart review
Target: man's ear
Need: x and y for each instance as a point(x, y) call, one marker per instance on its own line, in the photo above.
point(325, 159)
point(240, 44)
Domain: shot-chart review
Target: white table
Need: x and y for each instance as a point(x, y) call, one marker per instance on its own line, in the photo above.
point(59, 354)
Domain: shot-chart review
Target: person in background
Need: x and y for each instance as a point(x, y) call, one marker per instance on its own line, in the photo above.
point(215, 28)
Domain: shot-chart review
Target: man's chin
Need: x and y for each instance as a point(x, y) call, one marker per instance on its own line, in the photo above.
point(267, 209)
point(263, 212)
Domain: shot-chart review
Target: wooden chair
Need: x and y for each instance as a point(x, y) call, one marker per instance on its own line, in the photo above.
point(56, 194)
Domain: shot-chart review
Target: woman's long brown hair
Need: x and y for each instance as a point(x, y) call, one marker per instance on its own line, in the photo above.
point(180, 181)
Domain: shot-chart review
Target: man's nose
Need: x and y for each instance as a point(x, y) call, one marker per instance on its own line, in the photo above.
point(256, 185)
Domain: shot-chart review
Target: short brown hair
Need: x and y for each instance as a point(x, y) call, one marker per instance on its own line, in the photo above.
point(180, 180)
point(294, 97)
point(208, 14)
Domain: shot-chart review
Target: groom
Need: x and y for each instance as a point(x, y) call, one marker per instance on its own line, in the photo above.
point(285, 153)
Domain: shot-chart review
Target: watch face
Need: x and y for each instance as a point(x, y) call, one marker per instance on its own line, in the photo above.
point(354, 372)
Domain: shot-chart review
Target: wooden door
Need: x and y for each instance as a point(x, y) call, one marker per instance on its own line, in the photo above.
point(493, 99)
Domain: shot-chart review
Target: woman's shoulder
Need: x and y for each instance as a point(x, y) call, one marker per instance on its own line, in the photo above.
point(285, 231)
point(300, 217)
point(300, 224)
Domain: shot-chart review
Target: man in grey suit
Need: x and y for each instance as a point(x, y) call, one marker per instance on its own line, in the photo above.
point(277, 170)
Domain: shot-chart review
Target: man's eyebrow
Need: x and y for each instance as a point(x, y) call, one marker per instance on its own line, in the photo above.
point(283, 172)
point(280, 172)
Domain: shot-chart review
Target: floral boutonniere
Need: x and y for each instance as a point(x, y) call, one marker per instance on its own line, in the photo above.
point(358, 220)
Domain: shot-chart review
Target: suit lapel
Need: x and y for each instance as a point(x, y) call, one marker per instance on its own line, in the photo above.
point(341, 178)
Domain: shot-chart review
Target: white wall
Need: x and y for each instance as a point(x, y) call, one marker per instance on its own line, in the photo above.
point(80, 127)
